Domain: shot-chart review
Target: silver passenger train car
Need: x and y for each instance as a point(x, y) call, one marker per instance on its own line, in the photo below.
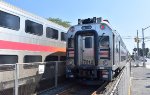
point(27, 38)
point(94, 50)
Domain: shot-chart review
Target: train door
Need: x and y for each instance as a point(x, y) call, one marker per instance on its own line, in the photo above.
point(119, 53)
point(86, 50)
point(114, 49)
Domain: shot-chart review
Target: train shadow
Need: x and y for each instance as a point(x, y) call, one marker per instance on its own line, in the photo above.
point(48, 78)
point(38, 81)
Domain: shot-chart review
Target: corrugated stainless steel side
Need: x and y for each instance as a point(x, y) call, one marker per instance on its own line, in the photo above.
point(123, 86)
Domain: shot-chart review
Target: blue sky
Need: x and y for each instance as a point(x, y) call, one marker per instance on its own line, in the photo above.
point(125, 16)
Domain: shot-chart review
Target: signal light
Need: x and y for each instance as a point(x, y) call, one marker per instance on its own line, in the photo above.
point(136, 39)
point(102, 27)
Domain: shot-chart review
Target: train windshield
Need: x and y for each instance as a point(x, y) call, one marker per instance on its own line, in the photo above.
point(88, 42)
point(104, 41)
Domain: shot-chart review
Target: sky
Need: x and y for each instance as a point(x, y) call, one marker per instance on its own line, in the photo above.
point(125, 16)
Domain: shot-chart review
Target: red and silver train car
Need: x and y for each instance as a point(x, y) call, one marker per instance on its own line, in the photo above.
point(94, 50)
point(25, 37)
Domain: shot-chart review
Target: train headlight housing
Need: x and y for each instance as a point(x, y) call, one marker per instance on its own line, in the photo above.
point(105, 62)
point(102, 26)
point(68, 70)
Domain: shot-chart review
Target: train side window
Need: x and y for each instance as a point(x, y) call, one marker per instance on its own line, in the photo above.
point(32, 58)
point(33, 28)
point(123, 54)
point(51, 33)
point(51, 58)
point(70, 43)
point(63, 36)
point(117, 50)
point(9, 21)
point(62, 58)
point(8, 59)
point(88, 42)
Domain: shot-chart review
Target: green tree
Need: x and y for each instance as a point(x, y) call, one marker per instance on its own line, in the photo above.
point(60, 22)
point(140, 52)
point(146, 51)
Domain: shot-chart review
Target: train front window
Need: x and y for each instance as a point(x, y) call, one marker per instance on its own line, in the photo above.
point(88, 42)
point(104, 41)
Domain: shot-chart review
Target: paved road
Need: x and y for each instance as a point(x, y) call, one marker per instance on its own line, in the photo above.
point(140, 78)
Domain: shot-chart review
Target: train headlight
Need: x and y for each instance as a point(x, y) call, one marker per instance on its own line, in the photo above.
point(105, 62)
point(102, 26)
point(68, 70)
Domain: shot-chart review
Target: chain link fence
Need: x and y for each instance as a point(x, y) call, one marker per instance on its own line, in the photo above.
point(30, 78)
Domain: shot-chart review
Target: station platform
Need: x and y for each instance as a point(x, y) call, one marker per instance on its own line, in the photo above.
point(140, 78)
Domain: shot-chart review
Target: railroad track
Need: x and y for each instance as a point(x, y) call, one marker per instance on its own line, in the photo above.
point(55, 90)
point(68, 91)
point(101, 89)
point(79, 90)
point(76, 88)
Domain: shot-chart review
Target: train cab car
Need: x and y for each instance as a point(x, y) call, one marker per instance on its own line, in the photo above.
point(94, 50)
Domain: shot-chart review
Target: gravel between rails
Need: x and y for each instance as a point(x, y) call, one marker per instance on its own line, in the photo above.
point(71, 88)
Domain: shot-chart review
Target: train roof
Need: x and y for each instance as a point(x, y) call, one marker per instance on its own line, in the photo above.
point(19, 11)
point(99, 20)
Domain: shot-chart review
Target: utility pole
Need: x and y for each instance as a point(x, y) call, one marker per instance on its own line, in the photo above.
point(143, 47)
point(137, 44)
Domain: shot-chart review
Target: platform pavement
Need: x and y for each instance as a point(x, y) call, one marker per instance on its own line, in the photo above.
point(140, 78)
